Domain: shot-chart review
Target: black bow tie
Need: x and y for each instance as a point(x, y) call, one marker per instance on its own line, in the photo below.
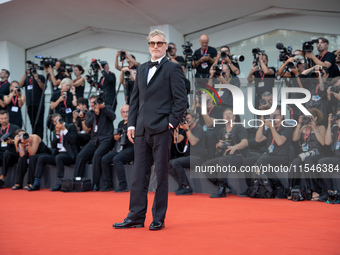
point(152, 64)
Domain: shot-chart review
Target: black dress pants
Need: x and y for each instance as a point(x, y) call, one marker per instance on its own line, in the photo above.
point(9, 158)
point(149, 148)
point(59, 160)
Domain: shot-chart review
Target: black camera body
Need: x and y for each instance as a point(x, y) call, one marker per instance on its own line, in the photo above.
point(24, 136)
point(78, 111)
point(122, 56)
point(308, 46)
point(255, 52)
point(32, 66)
point(285, 53)
point(297, 194)
point(220, 151)
point(217, 69)
point(306, 120)
point(187, 51)
point(335, 89)
point(47, 61)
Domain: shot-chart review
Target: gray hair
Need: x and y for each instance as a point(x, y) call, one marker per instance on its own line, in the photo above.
point(266, 94)
point(156, 32)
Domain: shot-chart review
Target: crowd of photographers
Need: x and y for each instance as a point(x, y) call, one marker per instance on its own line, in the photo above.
point(82, 131)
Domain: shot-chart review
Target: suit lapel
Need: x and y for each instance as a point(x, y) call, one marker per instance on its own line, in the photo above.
point(165, 59)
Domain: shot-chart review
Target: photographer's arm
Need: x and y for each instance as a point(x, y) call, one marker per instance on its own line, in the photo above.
point(80, 82)
point(241, 145)
point(40, 83)
point(55, 104)
point(71, 135)
point(281, 72)
point(22, 80)
point(279, 139)
point(251, 76)
point(132, 60)
point(192, 139)
point(265, 69)
point(21, 100)
point(297, 131)
point(317, 61)
point(328, 135)
point(259, 137)
point(117, 66)
point(32, 148)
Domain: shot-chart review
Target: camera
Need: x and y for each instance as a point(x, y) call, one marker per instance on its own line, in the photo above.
point(78, 111)
point(236, 58)
point(335, 89)
point(183, 120)
point(187, 51)
point(32, 66)
point(99, 100)
point(122, 56)
point(333, 197)
point(308, 46)
point(127, 75)
point(24, 136)
point(47, 61)
point(217, 69)
point(68, 68)
point(255, 52)
point(5, 136)
point(297, 60)
point(220, 151)
point(335, 117)
point(285, 53)
point(60, 120)
point(322, 70)
point(306, 120)
point(17, 88)
point(297, 194)
point(303, 155)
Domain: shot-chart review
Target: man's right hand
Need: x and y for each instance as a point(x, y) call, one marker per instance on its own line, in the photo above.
point(131, 135)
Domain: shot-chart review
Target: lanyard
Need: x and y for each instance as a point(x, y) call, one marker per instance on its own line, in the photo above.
point(305, 137)
point(320, 58)
point(211, 109)
point(204, 52)
point(316, 90)
point(192, 127)
point(338, 134)
point(15, 101)
point(262, 76)
point(277, 130)
point(6, 130)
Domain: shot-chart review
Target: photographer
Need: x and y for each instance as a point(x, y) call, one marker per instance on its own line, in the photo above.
point(231, 149)
point(60, 67)
point(213, 112)
point(108, 84)
point(29, 148)
point(79, 117)
point(64, 101)
point(13, 102)
point(8, 155)
point(204, 58)
point(34, 86)
point(311, 137)
point(171, 54)
point(130, 59)
point(221, 74)
point(196, 142)
point(4, 83)
point(127, 78)
point(337, 63)
point(122, 153)
point(100, 119)
point(79, 82)
point(332, 139)
point(324, 58)
point(278, 139)
point(263, 75)
point(290, 71)
point(315, 80)
point(225, 54)
point(65, 151)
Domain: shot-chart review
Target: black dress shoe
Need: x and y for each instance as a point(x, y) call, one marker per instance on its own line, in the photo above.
point(157, 225)
point(56, 187)
point(128, 224)
point(95, 188)
point(34, 187)
point(2, 183)
point(219, 193)
point(107, 187)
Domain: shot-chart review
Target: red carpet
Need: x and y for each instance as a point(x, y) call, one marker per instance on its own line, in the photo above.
point(45, 222)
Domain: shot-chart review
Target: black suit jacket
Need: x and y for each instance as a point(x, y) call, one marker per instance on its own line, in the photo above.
point(153, 106)
point(68, 141)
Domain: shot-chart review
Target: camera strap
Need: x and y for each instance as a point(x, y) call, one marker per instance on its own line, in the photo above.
point(8, 129)
point(321, 57)
point(64, 100)
point(305, 136)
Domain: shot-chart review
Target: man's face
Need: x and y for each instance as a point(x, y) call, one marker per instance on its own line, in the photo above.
point(4, 120)
point(57, 65)
point(225, 71)
point(278, 117)
point(3, 74)
point(322, 46)
point(265, 60)
point(190, 120)
point(106, 67)
point(92, 100)
point(124, 111)
point(226, 50)
point(269, 99)
point(204, 41)
point(228, 115)
point(81, 107)
point(173, 50)
point(157, 51)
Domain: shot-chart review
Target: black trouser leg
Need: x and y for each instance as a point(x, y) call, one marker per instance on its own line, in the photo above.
point(9, 159)
point(42, 161)
point(63, 159)
point(103, 148)
point(119, 160)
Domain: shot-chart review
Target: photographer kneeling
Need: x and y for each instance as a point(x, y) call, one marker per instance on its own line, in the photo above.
point(231, 149)
point(65, 151)
point(29, 148)
point(122, 153)
point(311, 137)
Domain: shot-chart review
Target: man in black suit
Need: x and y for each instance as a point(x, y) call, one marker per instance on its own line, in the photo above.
point(157, 104)
point(65, 151)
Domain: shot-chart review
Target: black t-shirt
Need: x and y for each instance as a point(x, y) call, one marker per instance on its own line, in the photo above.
point(227, 97)
point(64, 108)
point(329, 57)
point(282, 150)
point(4, 87)
point(238, 132)
point(204, 68)
point(264, 82)
point(108, 85)
point(11, 128)
point(32, 90)
point(199, 148)
point(59, 76)
point(179, 59)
